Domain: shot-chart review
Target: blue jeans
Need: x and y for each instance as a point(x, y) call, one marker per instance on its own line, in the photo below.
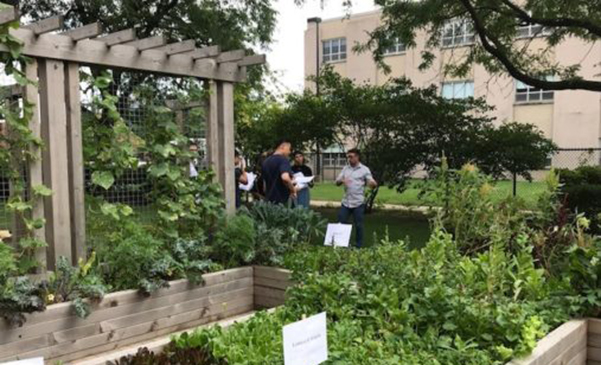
point(303, 198)
point(358, 214)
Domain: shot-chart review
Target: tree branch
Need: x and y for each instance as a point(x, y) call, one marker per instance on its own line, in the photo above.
point(556, 22)
point(495, 49)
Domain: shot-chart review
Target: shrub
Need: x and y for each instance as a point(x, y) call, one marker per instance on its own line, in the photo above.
point(234, 243)
point(582, 192)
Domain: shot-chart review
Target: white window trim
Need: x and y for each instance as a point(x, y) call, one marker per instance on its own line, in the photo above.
point(339, 53)
point(459, 82)
point(465, 35)
point(544, 32)
point(396, 45)
point(529, 92)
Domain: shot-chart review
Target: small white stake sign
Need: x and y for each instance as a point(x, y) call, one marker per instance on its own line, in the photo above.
point(338, 235)
point(33, 361)
point(306, 341)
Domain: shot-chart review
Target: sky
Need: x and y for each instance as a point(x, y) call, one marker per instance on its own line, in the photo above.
point(286, 56)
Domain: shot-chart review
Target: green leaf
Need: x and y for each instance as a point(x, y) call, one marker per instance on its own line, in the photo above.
point(41, 190)
point(104, 179)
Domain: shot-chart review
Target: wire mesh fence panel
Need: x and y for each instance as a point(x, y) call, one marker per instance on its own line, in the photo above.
point(140, 108)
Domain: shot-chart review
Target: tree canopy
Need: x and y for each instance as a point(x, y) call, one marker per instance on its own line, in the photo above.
point(401, 129)
point(498, 45)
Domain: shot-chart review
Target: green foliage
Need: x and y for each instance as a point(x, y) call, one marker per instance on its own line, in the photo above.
point(234, 244)
point(19, 295)
point(69, 283)
point(581, 189)
point(496, 47)
point(437, 307)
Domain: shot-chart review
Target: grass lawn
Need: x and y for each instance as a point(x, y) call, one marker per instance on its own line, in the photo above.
point(330, 192)
point(414, 229)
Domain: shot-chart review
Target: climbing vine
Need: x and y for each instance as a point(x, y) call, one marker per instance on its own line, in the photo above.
point(20, 147)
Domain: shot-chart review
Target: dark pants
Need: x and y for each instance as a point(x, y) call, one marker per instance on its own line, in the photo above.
point(357, 213)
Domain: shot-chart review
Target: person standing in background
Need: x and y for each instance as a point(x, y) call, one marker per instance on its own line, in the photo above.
point(277, 174)
point(354, 176)
point(299, 166)
point(241, 177)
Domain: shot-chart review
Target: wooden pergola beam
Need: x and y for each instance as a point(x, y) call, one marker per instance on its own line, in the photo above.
point(122, 36)
point(205, 52)
point(230, 56)
point(258, 59)
point(94, 52)
point(178, 47)
point(87, 31)
point(148, 43)
point(47, 25)
point(9, 15)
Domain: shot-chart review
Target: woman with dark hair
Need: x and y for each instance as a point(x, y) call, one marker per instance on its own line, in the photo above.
point(299, 166)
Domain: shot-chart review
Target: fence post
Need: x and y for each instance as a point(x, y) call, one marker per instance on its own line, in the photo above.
point(76, 166)
point(225, 97)
point(515, 184)
point(55, 160)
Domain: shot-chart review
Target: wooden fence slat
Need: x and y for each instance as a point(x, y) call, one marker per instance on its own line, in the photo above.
point(273, 283)
point(119, 311)
point(122, 36)
point(571, 353)
point(114, 345)
point(46, 25)
point(271, 273)
point(264, 302)
point(75, 163)
point(56, 175)
point(63, 310)
point(8, 15)
point(212, 134)
point(178, 47)
point(594, 353)
point(108, 341)
point(87, 31)
point(204, 52)
point(594, 326)
point(270, 293)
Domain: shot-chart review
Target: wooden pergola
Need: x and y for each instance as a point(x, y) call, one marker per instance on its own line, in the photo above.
point(56, 58)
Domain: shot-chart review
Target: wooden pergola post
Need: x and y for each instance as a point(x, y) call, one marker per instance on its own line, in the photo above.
point(57, 115)
point(55, 160)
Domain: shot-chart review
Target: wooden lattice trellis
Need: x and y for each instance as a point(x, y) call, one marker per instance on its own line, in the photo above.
point(57, 56)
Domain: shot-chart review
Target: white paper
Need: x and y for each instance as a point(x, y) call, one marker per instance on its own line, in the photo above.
point(338, 235)
point(33, 361)
point(252, 177)
point(302, 181)
point(193, 171)
point(306, 341)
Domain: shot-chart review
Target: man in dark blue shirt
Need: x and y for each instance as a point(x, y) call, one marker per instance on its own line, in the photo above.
point(277, 174)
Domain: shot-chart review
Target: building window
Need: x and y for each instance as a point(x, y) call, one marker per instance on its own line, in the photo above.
point(397, 48)
point(458, 90)
point(532, 30)
point(334, 159)
point(529, 94)
point(334, 50)
point(457, 32)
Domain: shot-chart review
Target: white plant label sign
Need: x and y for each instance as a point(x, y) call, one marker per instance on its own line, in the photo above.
point(306, 341)
point(33, 361)
point(338, 235)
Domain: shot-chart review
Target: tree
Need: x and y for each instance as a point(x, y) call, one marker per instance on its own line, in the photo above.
point(495, 23)
point(515, 148)
point(245, 24)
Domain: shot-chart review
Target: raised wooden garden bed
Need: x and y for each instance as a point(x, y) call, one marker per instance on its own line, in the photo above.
point(577, 342)
point(126, 317)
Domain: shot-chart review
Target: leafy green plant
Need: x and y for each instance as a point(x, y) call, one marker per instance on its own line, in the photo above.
point(171, 354)
point(68, 283)
point(234, 244)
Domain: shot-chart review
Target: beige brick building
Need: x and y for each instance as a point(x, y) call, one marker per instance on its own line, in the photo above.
point(572, 119)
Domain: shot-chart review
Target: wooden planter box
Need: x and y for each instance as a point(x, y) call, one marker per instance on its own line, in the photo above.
point(577, 342)
point(126, 317)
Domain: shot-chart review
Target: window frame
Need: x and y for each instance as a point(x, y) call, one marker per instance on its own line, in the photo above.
point(454, 84)
point(467, 37)
point(330, 44)
point(398, 48)
point(533, 95)
point(530, 33)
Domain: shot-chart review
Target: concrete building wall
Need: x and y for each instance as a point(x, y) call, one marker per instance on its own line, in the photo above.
point(572, 119)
